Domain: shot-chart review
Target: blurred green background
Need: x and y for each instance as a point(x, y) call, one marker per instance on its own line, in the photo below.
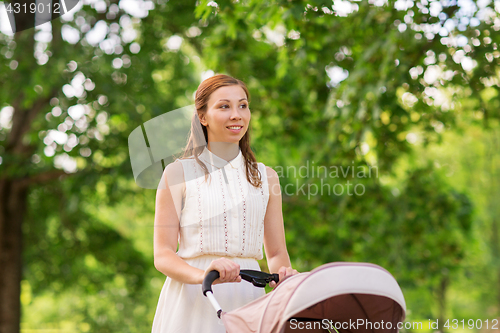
point(405, 89)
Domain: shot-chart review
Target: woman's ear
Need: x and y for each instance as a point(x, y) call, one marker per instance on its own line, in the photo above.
point(202, 119)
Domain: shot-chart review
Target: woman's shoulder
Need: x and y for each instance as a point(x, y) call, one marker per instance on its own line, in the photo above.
point(174, 169)
point(178, 163)
point(174, 173)
point(260, 167)
point(271, 175)
point(269, 171)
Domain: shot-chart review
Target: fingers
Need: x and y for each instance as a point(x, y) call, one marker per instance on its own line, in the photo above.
point(283, 273)
point(229, 271)
point(290, 271)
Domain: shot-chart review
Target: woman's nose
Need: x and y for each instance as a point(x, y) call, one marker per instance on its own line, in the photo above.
point(235, 114)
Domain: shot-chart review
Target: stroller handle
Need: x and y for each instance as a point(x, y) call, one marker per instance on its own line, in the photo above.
point(257, 278)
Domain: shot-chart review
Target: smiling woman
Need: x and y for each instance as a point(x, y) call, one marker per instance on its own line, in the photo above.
point(219, 224)
point(226, 121)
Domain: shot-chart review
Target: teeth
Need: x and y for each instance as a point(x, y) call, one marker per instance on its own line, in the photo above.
point(235, 127)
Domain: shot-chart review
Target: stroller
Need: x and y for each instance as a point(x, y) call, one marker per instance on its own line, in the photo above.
point(335, 297)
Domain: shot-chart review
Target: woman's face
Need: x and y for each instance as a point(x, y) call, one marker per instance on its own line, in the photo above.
point(227, 107)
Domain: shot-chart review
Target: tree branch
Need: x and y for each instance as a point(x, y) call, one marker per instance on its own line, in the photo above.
point(22, 120)
point(43, 177)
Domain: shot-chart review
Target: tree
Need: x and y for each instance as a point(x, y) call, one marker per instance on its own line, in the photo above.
point(71, 104)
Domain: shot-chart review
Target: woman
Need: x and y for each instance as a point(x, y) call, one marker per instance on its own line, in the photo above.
point(219, 206)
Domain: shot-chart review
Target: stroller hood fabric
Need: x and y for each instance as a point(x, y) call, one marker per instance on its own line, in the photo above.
point(362, 297)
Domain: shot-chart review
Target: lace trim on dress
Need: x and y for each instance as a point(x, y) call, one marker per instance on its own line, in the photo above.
point(197, 180)
point(244, 214)
point(225, 213)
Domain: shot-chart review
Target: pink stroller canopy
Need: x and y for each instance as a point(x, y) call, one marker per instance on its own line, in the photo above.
point(352, 297)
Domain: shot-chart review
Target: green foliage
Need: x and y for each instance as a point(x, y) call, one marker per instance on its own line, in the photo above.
point(388, 114)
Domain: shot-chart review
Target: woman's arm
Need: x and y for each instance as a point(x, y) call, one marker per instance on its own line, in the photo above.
point(166, 234)
point(278, 260)
point(166, 228)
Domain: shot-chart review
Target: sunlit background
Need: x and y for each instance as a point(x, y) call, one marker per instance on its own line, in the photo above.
point(407, 89)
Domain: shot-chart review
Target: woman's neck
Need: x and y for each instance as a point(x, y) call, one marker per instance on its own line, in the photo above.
point(225, 150)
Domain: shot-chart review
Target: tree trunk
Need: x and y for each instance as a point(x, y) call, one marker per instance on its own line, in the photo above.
point(13, 195)
point(16, 179)
point(443, 286)
point(13, 198)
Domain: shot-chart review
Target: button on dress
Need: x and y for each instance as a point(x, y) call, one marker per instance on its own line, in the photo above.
point(221, 217)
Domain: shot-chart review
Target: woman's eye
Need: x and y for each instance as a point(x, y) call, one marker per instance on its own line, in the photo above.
point(222, 106)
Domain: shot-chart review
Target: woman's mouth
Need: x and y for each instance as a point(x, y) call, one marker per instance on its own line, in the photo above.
point(235, 129)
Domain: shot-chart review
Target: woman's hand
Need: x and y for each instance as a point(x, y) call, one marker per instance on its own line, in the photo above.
point(283, 272)
point(229, 271)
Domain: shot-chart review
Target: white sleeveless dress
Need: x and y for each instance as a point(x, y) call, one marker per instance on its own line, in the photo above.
point(222, 217)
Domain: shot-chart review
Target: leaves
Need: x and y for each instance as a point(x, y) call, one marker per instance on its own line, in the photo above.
point(373, 89)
